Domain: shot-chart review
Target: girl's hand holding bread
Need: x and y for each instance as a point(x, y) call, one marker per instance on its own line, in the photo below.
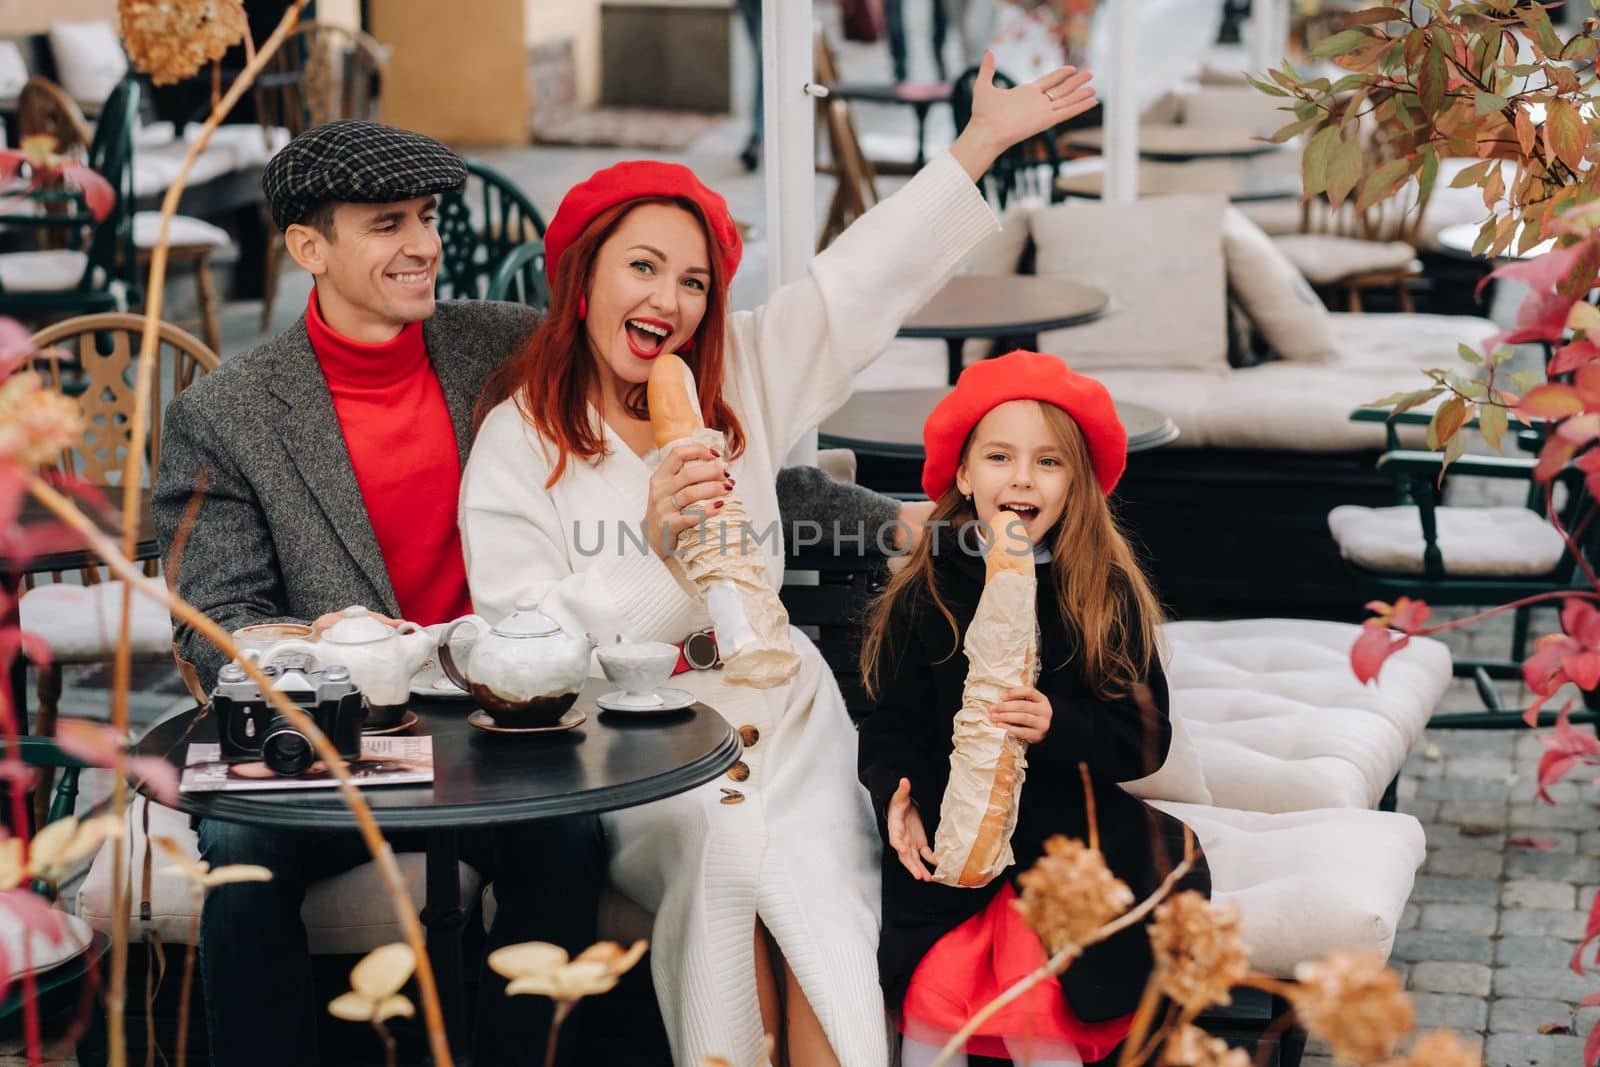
point(1024, 713)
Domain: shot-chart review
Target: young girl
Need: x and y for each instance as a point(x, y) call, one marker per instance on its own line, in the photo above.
point(1025, 434)
point(565, 474)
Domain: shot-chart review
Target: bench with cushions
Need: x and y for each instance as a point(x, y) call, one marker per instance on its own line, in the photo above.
point(1232, 516)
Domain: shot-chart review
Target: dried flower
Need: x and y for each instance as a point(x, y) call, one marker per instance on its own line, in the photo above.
point(199, 872)
point(170, 40)
point(36, 423)
point(1199, 950)
point(1442, 1048)
point(1070, 893)
point(1351, 1000)
point(67, 841)
point(1193, 1047)
point(542, 969)
point(375, 983)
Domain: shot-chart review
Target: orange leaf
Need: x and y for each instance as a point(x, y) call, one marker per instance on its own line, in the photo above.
point(1565, 133)
point(1550, 401)
point(1526, 133)
point(1344, 170)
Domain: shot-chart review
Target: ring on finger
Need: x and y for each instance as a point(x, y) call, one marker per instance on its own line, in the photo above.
point(676, 506)
point(1048, 97)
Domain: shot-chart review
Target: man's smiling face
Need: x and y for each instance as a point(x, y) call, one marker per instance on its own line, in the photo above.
point(380, 262)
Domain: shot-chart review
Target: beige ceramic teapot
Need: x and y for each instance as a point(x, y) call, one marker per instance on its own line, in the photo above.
point(525, 671)
point(381, 659)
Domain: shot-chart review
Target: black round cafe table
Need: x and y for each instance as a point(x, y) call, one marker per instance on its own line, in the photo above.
point(884, 429)
point(1002, 305)
point(481, 779)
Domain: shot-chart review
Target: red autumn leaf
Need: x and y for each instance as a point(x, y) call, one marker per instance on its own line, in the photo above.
point(155, 776)
point(1591, 1048)
point(1565, 748)
point(1375, 645)
point(1555, 455)
point(1591, 930)
point(1569, 358)
point(98, 195)
point(14, 639)
point(1523, 841)
point(92, 742)
point(1409, 615)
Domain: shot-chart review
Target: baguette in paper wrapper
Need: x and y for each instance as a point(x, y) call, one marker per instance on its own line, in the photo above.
point(987, 765)
point(718, 555)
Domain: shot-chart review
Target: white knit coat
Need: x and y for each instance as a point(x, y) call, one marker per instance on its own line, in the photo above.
point(801, 850)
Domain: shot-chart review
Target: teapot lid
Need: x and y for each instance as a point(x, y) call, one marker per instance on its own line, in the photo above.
point(527, 621)
point(358, 627)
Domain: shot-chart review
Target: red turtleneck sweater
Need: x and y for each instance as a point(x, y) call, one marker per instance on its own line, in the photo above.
point(402, 446)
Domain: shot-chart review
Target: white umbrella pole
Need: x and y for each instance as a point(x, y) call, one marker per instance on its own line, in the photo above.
point(1122, 105)
point(790, 169)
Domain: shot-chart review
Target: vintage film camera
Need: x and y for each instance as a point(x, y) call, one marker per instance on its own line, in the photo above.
point(248, 728)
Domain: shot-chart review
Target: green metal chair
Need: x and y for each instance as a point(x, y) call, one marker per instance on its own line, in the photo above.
point(58, 989)
point(480, 226)
point(520, 277)
point(106, 246)
point(1431, 576)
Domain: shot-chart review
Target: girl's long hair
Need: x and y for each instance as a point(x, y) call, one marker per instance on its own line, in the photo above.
point(554, 375)
point(1107, 605)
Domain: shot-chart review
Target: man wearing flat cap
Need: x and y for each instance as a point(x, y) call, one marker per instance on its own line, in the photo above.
point(320, 470)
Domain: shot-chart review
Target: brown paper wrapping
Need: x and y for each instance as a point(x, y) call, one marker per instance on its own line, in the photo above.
point(721, 557)
point(1002, 653)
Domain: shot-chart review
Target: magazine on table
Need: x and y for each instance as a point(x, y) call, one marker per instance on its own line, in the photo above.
point(384, 761)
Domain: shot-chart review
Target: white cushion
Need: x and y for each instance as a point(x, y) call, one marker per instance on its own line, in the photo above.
point(13, 70)
point(1160, 260)
point(154, 134)
point(42, 271)
point(1283, 307)
point(1280, 721)
point(185, 230)
point(155, 168)
point(1273, 216)
point(246, 142)
point(1325, 259)
point(1472, 541)
point(1234, 106)
point(1406, 342)
point(1309, 882)
point(80, 622)
point(347, 914)
point(51, 942)
point(1181, 776)
point(89, 59)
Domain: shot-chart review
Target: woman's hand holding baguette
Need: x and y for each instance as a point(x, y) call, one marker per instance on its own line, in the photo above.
point(907, 836)
point(683, 490)
point(1024, 713)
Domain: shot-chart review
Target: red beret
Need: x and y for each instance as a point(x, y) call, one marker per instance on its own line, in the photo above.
point(1020, 375)
point(632, 180)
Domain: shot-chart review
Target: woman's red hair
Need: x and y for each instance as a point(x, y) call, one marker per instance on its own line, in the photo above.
point(554, 375)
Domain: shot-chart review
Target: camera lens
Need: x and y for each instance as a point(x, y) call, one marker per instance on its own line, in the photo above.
point(287, 751)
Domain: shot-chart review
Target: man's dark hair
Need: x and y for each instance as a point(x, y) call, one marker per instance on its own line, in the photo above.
point(320, 218)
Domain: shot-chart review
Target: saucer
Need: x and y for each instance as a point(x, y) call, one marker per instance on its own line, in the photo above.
point(407, 721)
point(484, 721)
point(666, 700)
point(440, 688)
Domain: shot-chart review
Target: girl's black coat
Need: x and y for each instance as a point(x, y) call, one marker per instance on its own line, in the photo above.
point(908, 735)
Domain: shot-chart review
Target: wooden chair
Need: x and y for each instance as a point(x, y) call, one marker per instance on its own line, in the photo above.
point(322, 72)
point(481, 224)
point(45, 108)
point(855, 190)
point(79, 621)
point(1346, 253)
point(520, 277)
point(82, 265)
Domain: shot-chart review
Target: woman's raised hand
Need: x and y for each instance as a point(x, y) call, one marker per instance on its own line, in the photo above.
point(1002, 117)
point(683, 491)
point(907, 836)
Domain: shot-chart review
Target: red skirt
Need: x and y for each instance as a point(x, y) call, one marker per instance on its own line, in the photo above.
point(976, 962)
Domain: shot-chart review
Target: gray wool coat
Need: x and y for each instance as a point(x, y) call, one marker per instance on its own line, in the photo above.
point(256, 503)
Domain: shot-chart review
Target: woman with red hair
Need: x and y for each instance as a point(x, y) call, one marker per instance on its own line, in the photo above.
point(764, 884)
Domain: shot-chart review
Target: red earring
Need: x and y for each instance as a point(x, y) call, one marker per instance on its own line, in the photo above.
point(583, 306)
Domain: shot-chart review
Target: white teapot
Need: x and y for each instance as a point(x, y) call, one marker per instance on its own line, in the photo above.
point(381, 659)
point(526, 671)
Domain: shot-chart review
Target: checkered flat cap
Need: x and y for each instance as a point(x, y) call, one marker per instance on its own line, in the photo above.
point(358, 163)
